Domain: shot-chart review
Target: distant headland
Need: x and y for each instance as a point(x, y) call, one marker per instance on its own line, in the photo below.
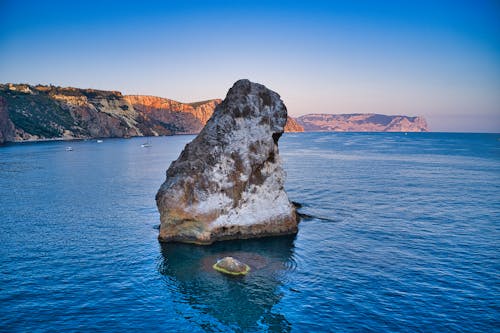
point(31, 113)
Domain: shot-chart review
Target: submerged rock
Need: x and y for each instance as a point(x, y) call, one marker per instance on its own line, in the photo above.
point(228, 183)
point(230, 265)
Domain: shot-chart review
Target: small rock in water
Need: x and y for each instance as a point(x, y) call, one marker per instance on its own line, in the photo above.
point(230, 265)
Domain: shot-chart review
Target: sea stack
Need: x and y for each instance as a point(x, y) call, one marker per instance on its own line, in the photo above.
point(228, 183)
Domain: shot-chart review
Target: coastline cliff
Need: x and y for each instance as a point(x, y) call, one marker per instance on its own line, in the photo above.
point(361, 122)
point(293, 126)
point(31, 113)
point(185, 118)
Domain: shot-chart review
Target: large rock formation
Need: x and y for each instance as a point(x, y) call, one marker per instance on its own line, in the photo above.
point(361, 122)
point(228, 182)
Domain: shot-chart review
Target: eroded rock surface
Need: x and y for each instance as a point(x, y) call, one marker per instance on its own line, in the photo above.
point(228, 182)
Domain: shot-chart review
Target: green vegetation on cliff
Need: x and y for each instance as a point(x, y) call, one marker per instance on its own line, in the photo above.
point(37, 114)
point(44, 112)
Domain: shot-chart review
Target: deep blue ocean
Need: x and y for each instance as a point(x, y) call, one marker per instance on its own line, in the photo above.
point(401, 234)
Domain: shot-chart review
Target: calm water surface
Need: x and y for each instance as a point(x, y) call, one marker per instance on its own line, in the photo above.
point(403, 236)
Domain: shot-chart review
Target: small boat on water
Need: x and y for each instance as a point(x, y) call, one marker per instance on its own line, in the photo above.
point(99, 141)
point(69, 149)
point(147, 144)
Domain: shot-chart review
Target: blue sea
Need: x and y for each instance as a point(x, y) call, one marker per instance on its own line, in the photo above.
point(400, 233)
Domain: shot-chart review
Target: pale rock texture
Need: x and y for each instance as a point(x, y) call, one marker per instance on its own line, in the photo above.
point(228, 183)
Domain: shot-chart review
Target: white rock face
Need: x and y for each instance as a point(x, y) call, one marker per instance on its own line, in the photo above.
point(228, 182)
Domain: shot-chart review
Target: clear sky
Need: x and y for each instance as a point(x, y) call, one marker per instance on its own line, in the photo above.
point(438, 59)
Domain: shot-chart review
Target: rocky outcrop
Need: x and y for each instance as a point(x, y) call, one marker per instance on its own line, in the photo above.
point(293, 126)
point(232, 266)
point(366, 122)
point(229, 182)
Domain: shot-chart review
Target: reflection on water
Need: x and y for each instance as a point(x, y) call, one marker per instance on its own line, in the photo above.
point(241, 302)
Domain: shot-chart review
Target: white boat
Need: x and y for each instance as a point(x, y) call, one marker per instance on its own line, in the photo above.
point(99, 141)
point(69, 149)
point(147, 144)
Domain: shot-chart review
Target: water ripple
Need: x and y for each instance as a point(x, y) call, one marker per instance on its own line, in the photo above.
point(399, 233)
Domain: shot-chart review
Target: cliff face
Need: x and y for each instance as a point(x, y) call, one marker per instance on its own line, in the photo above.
point(44, 112)
point(367, 122)
point(293, 126)
point(7, 129)
point(182, 117)
point(229, 181)
point(186, 117)
point(41, 112)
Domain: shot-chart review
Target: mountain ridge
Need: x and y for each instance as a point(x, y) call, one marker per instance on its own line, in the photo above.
point(41, 112)
point(362, 122)
point(46, 112)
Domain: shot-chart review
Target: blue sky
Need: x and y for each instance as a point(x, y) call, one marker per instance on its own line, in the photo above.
point(438, 59)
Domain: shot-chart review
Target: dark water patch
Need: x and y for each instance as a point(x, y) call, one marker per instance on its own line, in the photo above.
point(241, 301)
point(306, 217)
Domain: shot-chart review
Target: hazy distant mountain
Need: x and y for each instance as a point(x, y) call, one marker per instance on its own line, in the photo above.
point(361, 122)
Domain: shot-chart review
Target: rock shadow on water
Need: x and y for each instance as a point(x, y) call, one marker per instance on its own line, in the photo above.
point(245, 302)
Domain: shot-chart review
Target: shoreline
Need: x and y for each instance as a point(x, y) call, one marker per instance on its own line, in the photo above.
point(177, 134)
point(87, 139)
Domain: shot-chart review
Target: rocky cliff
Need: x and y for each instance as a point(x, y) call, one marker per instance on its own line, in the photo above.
point(46, 112)
point(42, 112)
point(183, 117)
point(7, 129)
point(293, 126)
point(229, 181)
point(366, 122)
